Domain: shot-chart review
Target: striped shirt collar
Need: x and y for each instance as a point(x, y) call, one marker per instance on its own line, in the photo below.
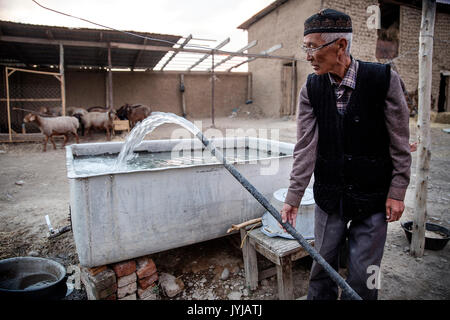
point(349, 79)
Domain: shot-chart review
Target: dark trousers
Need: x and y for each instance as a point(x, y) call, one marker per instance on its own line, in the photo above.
point(366, 239)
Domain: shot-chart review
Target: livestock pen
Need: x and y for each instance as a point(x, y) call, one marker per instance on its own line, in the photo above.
point(57, 67)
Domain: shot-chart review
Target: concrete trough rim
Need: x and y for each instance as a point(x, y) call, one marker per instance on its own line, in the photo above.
point(71, 174)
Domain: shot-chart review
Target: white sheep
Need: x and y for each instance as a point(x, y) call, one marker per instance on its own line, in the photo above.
point(100, 120)
point(54, 126)
point(75, 110)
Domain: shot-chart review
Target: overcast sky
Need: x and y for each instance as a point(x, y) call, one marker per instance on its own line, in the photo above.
point(213, 19)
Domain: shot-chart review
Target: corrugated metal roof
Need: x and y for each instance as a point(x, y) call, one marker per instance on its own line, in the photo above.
point(48, 54)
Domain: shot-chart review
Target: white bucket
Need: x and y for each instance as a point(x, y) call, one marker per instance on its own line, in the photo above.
point(305, 217)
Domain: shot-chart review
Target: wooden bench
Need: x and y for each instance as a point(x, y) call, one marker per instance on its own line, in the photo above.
point(282, 252)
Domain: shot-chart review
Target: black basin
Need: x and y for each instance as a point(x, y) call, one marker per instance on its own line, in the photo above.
point(430, 243)
point(32, 278)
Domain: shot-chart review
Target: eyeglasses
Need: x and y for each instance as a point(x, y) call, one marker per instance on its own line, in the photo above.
point(310, 51)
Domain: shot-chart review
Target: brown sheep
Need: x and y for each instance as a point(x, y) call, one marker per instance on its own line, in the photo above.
point(54, 127)
point(134, 113)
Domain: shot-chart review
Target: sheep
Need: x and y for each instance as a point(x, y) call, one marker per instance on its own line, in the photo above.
point(134, 113)
point(50, 111)
point(100, 120)
point(54, 126)
point(70, 111)
point(78, 113)
point(97, 109)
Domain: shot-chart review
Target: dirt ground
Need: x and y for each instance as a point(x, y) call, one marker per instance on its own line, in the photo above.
point(34, 184)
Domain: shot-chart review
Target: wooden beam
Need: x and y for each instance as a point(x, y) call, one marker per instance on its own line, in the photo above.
point(129, 46)
point(223, 43)
point(110, 91)
point(423, 126)
point(212, 91)
point(175, 53)
point(32, 100)
point(49, 34)
point(33, 71)
point(7, 103)
point(100, 51)
point(138, 56)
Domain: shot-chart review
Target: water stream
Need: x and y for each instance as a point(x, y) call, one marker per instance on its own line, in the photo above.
point(131, 158)
point(145, 127)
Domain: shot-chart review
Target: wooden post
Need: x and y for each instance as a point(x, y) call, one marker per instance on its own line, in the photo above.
point(110, 87)
point(106, 90)
point(249, 86)
point(284, 279)
point(250, 262)
point(293, 88)
point(423, 126)
point(62, 79)
point(183, 101)
point(212, 90)
point(7, 104)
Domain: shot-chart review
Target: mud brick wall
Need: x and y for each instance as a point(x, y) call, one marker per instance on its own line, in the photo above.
point(283, 25)
point(408, 67)
point(365, 40)
point(128, 280)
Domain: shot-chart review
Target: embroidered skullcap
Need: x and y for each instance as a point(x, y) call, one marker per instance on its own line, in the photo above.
point(328, 21)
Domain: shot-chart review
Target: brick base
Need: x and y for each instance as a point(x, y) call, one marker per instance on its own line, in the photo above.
point(125, 280)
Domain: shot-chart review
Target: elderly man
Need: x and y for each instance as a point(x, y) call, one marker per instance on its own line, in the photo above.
point(353, 133)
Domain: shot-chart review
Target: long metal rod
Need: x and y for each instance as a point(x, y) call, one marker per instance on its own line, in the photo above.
point(248, 46)
point(264, 52)
point(223, 43)
point(175, 53)
point(263, 201)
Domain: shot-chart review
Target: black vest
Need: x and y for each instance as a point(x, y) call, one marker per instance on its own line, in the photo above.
point(353, 163)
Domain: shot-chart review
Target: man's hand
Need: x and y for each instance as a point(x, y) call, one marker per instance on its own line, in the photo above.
point(394, 209)
point(289, 214)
